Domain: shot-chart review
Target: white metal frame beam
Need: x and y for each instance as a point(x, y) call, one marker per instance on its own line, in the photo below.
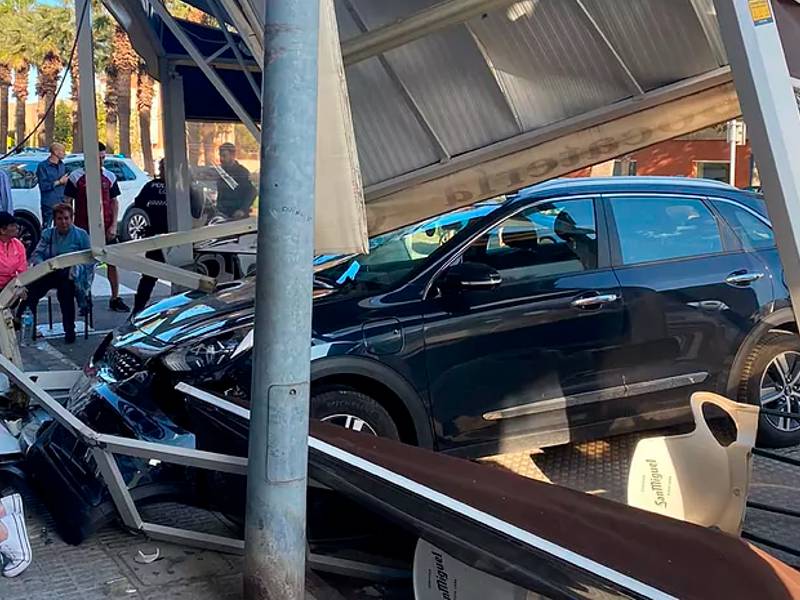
point(552, 151)
point(419, 24)
point(770, 108)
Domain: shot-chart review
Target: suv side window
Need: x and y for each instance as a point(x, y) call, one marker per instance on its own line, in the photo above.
point(548, 239)
point(754, 233)
point(655, 229)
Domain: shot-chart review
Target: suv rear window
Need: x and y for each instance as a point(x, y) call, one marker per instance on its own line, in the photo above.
point(754, 233)
point(655, 229)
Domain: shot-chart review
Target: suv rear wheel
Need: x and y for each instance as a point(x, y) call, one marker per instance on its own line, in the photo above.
point(353, 410)
point(29, 232)
point(771, 379)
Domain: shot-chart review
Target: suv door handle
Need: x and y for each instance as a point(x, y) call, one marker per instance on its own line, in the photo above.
point(743, 278)
point(594, 301)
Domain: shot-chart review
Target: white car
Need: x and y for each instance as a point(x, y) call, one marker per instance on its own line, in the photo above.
point(25, 188)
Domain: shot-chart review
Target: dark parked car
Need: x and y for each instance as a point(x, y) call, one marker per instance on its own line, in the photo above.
point(576, 309)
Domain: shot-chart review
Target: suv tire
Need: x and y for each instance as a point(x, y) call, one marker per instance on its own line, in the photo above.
point(764, 365)
point(353, 410)
point(134, 224)
point(29, 231)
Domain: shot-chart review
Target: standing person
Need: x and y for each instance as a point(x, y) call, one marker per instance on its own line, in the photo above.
point(75, 190)
point(52, 176)
point(62, 238)
point(13, 260)
point(6, 200)
point(235, 191)
point(153, 200)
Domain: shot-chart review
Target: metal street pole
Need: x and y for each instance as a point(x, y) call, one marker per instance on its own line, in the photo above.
point(275, 521)
point(88, 114)
point(770, 110)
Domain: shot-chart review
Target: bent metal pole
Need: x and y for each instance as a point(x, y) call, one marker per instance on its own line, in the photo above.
point(275, 543)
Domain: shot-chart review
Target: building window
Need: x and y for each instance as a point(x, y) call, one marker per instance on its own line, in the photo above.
point(716, 170)
point(624, 167)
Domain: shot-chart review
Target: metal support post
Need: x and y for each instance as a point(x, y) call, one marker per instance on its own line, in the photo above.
point(769, 107)
point(732, 149)
point(88, 112)
point(275, 521)
point(179, 214)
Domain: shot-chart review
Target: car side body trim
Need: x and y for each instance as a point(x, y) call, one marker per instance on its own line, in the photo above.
point(603, 395)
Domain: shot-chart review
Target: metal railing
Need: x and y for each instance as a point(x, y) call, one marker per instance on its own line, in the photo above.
point(105, 447)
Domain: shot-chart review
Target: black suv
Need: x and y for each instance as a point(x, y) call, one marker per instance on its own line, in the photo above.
point(578, 308)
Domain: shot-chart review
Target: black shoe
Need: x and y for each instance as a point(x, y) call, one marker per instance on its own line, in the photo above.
point(117, 305)
point(69, 337)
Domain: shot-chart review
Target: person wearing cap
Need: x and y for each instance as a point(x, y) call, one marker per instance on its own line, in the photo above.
point(13, 260)
point(152, 199)
point(52, 177)
point(235, 191)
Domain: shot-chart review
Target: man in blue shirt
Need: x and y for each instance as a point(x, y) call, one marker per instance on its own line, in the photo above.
point(6, 201)
point(52, 176)
point(63, 238)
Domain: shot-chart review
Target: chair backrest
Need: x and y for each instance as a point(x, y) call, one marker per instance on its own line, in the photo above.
point(693, 477)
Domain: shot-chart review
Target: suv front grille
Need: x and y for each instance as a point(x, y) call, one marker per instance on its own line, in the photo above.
point(122, 363)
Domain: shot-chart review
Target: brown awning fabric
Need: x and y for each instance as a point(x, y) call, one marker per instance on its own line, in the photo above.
point(596, 543)
point(787, 16)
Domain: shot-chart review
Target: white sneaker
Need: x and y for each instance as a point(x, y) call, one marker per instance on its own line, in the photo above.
point(12, 504)
point(16, 549)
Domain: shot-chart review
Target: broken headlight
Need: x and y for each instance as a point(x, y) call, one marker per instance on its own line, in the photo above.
point(210, 353)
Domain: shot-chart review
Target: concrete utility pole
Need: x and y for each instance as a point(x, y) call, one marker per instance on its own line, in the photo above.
point(275, 526)
point(770, 110)
point(88, 109)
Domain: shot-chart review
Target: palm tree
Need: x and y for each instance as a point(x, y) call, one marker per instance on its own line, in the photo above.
point(16, 51)
point(144, 104)
point(125, 62)
point(112, 109)
point(55, 31)
point(5, 84)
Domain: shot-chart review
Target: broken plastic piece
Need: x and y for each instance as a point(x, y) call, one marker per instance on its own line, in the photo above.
point(146, 559)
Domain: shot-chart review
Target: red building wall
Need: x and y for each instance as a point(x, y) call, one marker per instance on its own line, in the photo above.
point(678, 157)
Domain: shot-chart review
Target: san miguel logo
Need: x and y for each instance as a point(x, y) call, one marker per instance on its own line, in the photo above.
point(441, 576)
point(657, 483)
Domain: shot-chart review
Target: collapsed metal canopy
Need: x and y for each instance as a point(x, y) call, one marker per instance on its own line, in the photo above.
point(440, 90)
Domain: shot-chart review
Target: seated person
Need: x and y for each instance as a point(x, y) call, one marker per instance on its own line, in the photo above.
point(13, 259)
point(62, 238)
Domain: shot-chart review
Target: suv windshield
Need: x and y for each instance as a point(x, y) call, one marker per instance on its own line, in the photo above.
point(395, 254)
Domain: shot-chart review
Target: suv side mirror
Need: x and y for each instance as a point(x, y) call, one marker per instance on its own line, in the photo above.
point(470, 276)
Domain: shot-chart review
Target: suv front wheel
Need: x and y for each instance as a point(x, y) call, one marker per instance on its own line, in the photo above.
point(771, 379)
point(353, 410)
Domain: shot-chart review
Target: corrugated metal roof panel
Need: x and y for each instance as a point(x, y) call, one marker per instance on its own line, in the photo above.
point(708, 18)
point(390, 139)
point(661, 42)
point(448, 78)
point(550, 63)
